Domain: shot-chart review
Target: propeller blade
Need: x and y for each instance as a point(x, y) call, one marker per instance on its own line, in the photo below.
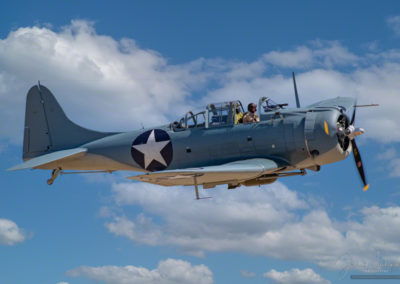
point(359, 164)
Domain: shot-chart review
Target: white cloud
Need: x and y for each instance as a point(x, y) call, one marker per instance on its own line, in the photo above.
point(392, 161)
point(295, 276)
point(271, 221)
point(62, 282)
point(10, 233)
point(301, 57)
point(333, 53)
point(327, 54)
point(167, 272)
point(247, 274)
point(235, 212)
point(395, 167)
point(95, 77)
point(394, 23)
point(388, 154)
point(243, 70)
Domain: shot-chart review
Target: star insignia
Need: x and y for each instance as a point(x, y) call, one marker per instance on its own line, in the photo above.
point(151, 150)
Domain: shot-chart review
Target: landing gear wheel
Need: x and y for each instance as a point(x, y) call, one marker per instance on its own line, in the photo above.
point(54, 175)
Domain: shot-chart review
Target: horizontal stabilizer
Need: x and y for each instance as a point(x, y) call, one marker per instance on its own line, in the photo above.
point(234, 171)
point(49, 158)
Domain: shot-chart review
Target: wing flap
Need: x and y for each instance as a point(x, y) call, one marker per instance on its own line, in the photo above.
point(226, 173)
point(49, 158)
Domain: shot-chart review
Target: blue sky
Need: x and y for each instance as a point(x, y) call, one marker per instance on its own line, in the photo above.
point(114, 66)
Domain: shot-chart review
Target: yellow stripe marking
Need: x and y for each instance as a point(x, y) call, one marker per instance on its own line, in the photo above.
point(326, 128)
point(366, 187)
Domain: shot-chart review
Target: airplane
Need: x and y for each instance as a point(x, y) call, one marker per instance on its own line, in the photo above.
point(207, 148)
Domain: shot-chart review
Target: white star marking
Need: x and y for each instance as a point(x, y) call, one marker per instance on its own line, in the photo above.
point(152, 150)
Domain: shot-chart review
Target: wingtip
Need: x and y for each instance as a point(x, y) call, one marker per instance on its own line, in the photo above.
point(366, 187)
point(14, 168)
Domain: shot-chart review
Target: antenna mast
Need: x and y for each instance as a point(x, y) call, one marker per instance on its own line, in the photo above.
point(295, 91)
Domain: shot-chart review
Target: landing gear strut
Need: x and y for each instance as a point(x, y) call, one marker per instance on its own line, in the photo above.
point(196, 189)
point(54, 175)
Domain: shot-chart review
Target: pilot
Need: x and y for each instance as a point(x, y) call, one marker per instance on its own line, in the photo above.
point(239, 116)
point(251, 116)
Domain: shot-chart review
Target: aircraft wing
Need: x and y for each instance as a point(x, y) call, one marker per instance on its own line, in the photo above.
point(233, 172)
point(49, 158)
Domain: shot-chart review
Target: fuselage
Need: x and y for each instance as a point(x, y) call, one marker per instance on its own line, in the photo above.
point(301, 138)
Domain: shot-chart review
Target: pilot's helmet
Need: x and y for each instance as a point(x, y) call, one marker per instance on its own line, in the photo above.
point(252, 107)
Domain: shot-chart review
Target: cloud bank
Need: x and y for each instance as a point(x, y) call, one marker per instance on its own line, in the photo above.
point(112, 85)
point(95, 77)
point(295, 276)
point(170, 271)
point(273, 221)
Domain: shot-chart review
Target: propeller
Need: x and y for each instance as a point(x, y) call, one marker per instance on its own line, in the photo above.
point(359, 164)
point(347, 132)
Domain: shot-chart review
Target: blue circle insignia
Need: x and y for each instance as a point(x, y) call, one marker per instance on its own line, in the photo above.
point(152, 150)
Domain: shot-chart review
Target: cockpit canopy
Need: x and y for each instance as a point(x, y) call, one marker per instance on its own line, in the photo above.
point(224, 113)
point(221, 114)
point(215, 115)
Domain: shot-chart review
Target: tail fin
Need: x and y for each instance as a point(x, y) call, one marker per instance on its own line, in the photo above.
point(48, 129)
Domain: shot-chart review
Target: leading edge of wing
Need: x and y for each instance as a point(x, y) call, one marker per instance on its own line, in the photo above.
point(238, 170)
point(48, 158)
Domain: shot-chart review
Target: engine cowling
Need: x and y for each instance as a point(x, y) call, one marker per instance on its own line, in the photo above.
point(323, 142)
